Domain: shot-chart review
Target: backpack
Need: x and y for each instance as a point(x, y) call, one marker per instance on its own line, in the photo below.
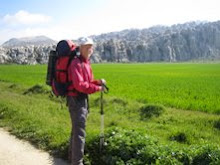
point(58, 64)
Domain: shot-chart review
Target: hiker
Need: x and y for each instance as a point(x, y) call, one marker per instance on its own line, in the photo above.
point(80, 73)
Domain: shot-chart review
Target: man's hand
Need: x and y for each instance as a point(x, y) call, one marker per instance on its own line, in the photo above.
point(102, 88)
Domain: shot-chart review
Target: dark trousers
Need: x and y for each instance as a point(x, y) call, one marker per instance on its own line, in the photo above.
point(78, 108)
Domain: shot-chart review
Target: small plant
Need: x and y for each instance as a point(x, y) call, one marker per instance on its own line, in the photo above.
point(13, 86)
point(179, 137)
point(151, 110)
point(3, 111)
point(97, 101)
point(217, 124)
point(113, 123)
point(119, 101)
point(206, 154)
point(133, 147)
point(36, 89)
point(121, 147)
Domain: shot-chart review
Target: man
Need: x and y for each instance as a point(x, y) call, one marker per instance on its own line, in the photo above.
point(80, 73)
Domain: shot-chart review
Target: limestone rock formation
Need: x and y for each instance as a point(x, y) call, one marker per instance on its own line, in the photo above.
point(182, 42)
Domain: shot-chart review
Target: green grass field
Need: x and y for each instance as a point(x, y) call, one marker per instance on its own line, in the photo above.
point(184, 86)
point(171, 108)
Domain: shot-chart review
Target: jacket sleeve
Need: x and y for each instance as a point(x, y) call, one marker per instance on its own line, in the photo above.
point(96, 82)
point(78, 81)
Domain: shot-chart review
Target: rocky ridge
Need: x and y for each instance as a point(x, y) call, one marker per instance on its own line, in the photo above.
point(182, 42)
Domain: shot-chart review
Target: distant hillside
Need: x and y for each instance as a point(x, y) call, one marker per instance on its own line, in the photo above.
point(26, 41)
point(181, 42)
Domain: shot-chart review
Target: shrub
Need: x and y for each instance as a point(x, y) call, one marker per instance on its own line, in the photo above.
point(13, 86)
point(150, 110)
point(128, 147)
point(36, 89)
point(179, 137)
point(135, 148)
point(206, 154)
point(119, 101)
point(96, 102)
point(217, 124)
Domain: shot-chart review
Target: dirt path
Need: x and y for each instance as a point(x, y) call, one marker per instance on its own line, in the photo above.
point(18, 152)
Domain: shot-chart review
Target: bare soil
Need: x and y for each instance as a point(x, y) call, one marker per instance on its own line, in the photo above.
point(18, 152)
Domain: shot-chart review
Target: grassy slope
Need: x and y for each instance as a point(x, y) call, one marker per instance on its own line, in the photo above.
point(45, 117)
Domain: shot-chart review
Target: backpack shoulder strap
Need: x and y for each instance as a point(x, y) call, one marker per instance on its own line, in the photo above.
point(69, 62)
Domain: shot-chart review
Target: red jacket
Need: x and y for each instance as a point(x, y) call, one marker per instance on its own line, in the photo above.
point(81, 76)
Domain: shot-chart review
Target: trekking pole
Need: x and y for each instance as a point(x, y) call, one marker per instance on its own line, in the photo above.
point(102, 116)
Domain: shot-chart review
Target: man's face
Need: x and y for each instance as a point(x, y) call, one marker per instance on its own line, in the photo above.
point(86, 51)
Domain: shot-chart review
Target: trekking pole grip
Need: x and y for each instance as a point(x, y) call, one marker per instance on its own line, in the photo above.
point(106, 89)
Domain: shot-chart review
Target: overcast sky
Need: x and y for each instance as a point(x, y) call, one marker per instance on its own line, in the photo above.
point(70, 19)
